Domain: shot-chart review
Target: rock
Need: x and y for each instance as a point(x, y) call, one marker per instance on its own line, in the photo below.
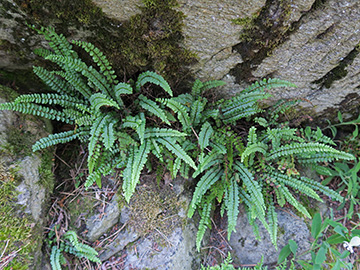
point(248, 250)
point(320, 56)
point(155, 228)
point(98, 226)
point(31, 183)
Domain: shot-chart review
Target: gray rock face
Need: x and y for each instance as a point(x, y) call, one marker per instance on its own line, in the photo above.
point(248, 250)
point(210, 33)
point(325, 39)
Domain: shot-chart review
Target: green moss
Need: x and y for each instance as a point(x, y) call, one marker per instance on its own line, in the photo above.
point(18, 235)
point(148, 41)
point(154, 210)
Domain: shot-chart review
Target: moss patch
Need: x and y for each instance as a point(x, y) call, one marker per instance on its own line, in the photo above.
point(148, 41)
point(155, 210)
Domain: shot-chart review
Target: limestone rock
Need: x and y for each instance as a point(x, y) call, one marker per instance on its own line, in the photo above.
point(248, 250)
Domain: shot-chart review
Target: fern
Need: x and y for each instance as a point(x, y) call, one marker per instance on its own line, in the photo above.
point(136, 162)
point(99, 58)
point(181, 111)
point(98, 100)
point(55, 258)
point(204, 224)
point(176, 149)
point(204, 135)
point(205, 182)
point(57, 138)
point(153, 108)
point(232, 204)
point(154, 78)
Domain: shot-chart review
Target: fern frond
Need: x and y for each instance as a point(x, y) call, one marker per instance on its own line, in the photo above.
point(179, 109)
point(251, 185)
point(95, 132)
point(196, 89)
point(295, 183)
point(184, 99)
point(176, 149)
point(57, 138)
point(56, 99)
point(253, 148)
point(273, 223)
point(204, 135)
point(308, 148)
point(154, 78)
point(94, 77)
point(290, 199)
point(162, 132)
point(55, 258)
point(232, 204)
point(204, 184)
point(37, 110)
point(323, 189)
point(136, 162)
point(212, 159)
point(76, 81)
point(55, 83)
point(267, 84)
point(120, 89)
point(211, 84)
point(57, 42)
point(42, 52)
point(153, 108)
point(275, 135)
point(136, 123)
point(81, 250)
point(241, 106)
point(196, 109)
point(99, 58)
point(98, 100)
point(205, 222)
point(108, 135)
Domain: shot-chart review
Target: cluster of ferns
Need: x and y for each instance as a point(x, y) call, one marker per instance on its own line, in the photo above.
point(186, 134)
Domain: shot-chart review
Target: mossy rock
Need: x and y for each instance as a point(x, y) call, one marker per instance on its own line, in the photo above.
point(26, 181)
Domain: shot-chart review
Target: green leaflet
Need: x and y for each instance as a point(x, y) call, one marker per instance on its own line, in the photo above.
point(99, 58)
point(205, 222)
point(232, 204)
point(154, 78)
point(153, 108)
point(290, 199)
point(307, 148)
point(53, 139)
point(136, 162)
point(196, 109)
point(55, 83)
point(273, 223)
point(176, 149)
point(162, 132)
point(179, 109)
point(34, 109)
point(55, 258)
point(295, 183)
point(204, 184)
point(98, 100)
point(108, 135)
point(205, 162)
point(251, 185)
point(204, 135)
point(95, 131)
point(253, 148)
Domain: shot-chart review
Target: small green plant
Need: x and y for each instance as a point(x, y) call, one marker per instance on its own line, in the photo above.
point(234, 156)
point(69, 244)
point(324, 249)
point(118, 135)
